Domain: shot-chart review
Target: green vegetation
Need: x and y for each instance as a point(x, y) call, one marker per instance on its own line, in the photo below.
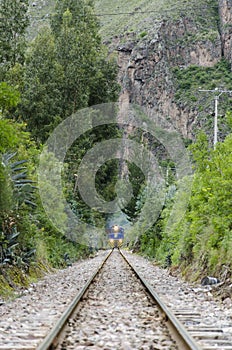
point(106, 176)
point(188, 81)
point(26, 233)
point(201, 240)
point(139, 16)
point(14, 22)
point(143, 34)
point(64, 69)
point(192, 78)
point(143, 15)
point(189, 38)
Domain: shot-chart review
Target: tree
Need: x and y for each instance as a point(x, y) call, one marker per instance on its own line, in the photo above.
point(41, 97)
point(9, 97)
point(106, 177)
point(82, 15)
point(89, 78)
point(203, 236)
point(74, 59)
point(66, 69)
point(13, 25)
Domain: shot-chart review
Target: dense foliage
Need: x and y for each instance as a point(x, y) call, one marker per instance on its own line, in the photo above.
point(66, 69)
point(189, 80)
point(201, 240)
point(62, 70)
point(204, 235)
point(14, 22)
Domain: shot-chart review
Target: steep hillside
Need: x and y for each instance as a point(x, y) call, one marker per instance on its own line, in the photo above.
point(166, 50)
point(158, 43)
point(141, 17)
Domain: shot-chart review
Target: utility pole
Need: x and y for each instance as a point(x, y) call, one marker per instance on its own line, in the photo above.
point(217, 93)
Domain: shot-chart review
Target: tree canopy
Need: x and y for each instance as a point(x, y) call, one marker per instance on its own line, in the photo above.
point(14, 22)
point(66, 69)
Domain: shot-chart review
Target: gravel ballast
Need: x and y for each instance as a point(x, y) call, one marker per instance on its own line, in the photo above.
point(25, 321)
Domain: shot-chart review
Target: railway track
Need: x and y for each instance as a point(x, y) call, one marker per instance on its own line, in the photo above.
point(209, 330)
point(113, 311)
point(117, 309)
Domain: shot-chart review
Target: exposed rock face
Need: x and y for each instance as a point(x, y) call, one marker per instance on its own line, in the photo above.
point(225, 11)
point(146, 64)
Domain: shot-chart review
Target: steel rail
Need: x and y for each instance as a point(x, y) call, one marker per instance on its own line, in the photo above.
point(50, 339)
point(181, 335)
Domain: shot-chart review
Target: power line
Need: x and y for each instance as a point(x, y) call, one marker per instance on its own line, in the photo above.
point(135, 12)
point(145, 12)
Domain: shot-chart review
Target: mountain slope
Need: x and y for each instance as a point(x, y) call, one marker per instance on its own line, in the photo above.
point(157, 44)
point(119, 17)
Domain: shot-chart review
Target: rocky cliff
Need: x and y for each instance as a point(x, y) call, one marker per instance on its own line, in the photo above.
point(225, 13)
point(155, 40)
point(198, 35)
